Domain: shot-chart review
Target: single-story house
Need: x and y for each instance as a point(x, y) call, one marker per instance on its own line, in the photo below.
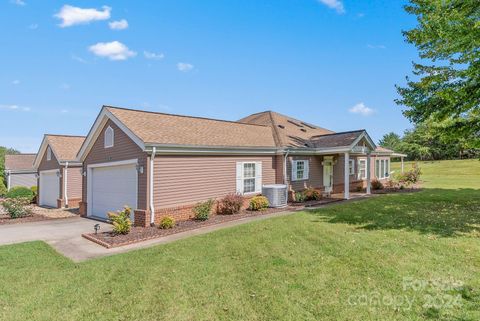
point(19, 170)
point(162, 164)
point(59, 174)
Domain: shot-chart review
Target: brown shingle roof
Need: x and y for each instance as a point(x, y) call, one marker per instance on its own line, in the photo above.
point(336, 139)
point(381, 149)
point(161, 128)
point(19, 161)
point(288, 131)
point(65, 147)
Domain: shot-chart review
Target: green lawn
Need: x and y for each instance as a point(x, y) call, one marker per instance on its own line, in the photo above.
point(346, 262)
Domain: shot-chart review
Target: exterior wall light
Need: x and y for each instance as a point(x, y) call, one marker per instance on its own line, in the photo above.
point(140, 169)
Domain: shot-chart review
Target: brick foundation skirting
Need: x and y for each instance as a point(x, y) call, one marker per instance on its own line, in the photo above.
point(178, 213)
point(72, 203)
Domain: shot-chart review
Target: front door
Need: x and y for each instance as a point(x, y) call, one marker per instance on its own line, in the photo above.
point(328, 174)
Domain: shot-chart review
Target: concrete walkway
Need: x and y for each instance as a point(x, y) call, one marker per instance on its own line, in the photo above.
point(64, 235)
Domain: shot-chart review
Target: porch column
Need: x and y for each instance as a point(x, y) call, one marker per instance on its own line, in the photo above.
point(401, 158)
point(346, 183)
point(369, 183)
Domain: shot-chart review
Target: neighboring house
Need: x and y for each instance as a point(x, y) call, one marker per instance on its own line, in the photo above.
point(162, 164)
point(19, 170)
point(60, 175)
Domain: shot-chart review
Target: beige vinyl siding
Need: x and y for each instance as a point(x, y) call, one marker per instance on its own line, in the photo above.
point(74, 182)
point(184, 180)
point(25, 180)
point(124, 149)
point(315, 177)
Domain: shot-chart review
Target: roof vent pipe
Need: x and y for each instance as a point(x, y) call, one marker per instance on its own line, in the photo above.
point(152, 203)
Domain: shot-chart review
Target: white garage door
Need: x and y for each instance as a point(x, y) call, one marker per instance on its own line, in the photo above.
point(112, 188)
point(49, 189)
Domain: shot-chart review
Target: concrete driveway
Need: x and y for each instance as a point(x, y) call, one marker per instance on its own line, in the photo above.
point(62, 234)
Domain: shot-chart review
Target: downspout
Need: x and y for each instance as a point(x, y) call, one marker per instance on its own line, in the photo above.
point(285, 180)
point(8, 180)
point(152, 203)
point(65, 180)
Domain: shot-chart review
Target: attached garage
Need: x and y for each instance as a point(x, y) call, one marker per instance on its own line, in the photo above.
point(49, 183)
point(111, 187)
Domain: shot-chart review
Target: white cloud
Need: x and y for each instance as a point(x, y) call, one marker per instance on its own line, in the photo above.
point(152, 55)
point(337, 5)
point(64, 111)
point(118, 25)
point(33, 26)
point(376, 46)
point(71, 15)
point(361, 109)
point(16, 82)
point(14, 108)
point(18, 2)
point(114, 50)
point(184, 67)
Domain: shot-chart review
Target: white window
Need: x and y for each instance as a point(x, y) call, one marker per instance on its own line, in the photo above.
point(249, 177)
point(300, 169)
point(351, 167)
point(382, 168)
point(49, 153)
point(362, 169)
point(109, 137)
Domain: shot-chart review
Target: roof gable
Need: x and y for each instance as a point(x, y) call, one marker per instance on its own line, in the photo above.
point(64, 147)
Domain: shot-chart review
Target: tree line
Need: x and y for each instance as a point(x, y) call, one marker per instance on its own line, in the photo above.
point(4, 151)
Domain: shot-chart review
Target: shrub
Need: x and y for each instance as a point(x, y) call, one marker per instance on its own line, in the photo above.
point(17, 207)
point(376, 184)
point(121, 221)
point(409, 177)
point(203, 209)
point(20, 192)
point(230, 204)
point(258, 203)
point(166, 223)
point(300, 197)
point(3, 189)
point(34, 189)
point(359, 189)
point(311, 194)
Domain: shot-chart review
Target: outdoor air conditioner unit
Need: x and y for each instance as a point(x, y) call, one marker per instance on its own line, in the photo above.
point(276, 194)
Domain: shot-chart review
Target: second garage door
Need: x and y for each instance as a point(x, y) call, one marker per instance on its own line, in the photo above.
point(112, 188)
point(49, 188)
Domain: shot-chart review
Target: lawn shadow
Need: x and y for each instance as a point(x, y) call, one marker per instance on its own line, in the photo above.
point(442, 212)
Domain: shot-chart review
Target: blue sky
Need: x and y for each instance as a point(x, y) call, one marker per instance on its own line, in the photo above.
point(329, 62)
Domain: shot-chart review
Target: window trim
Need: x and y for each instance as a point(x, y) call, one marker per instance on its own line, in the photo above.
point(385, 163)
point(360, 168)
point(351, 167)
point(49, 153)
point(306, 171)
point(241, 177)
point(112, 132)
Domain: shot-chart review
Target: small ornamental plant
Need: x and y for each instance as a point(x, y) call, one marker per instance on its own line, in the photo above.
point(230, 204)
point(376, 184)
point(166, 222)
point(203, 209)
point(17, 207)
point(258, 203)
point(312, 194)
point(300, 197)
point(121, 221)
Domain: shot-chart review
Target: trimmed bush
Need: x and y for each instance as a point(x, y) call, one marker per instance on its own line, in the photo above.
point(230, 204)
point(300, 197)
point(20, 192)
point(34, 189)
point(258, 203)
point(203, 209)
point(376, 184)
point(312, 194)
point(121, 221)
point(3, 189)
point(409, 177)
point(17, 207)
point(166, 223)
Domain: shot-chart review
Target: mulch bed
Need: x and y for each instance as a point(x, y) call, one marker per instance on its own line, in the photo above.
point(5, 219)
point(140, 234)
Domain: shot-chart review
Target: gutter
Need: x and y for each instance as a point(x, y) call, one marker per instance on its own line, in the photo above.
point(151, 172)
point(285, 180)
point(65, 180)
